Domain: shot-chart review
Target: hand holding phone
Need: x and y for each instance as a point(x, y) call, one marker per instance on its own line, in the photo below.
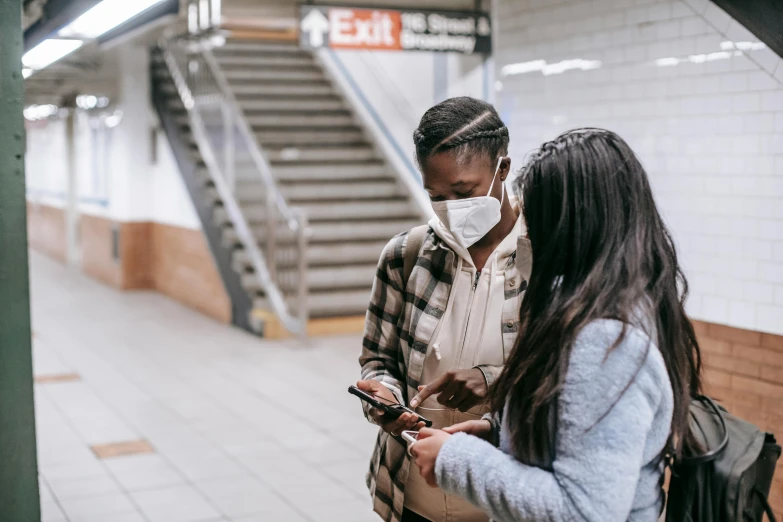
point(395, 416)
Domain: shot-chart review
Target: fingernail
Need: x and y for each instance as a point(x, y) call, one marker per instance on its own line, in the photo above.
point(414, 402)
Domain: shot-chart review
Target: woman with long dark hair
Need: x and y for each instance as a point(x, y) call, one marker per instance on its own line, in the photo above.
point(597, 388)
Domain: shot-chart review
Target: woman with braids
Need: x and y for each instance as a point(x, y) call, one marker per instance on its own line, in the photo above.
point(438, 340)
point(597, 389)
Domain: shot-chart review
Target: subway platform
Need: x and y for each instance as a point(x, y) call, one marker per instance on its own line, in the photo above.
point(147, 412)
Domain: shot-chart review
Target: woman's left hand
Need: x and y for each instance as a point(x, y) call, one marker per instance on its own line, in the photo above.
point(425, 450)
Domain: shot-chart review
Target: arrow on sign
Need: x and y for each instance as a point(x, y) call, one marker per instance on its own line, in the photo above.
point(316, 25)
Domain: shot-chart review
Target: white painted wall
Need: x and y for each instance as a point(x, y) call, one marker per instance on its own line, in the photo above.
point(708, 130)
point(401, 86)
point(117, 176)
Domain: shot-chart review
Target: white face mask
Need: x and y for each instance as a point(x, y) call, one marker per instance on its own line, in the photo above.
point(470, 219)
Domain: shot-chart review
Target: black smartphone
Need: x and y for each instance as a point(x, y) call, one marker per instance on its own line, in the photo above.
point(390, 409)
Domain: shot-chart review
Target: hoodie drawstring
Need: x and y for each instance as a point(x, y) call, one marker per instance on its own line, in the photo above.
point(447, 313)
point(493, 270)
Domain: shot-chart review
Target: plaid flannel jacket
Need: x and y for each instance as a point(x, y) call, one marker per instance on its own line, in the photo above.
point(399, 327)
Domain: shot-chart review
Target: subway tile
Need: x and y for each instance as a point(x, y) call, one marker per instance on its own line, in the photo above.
point(715, 309)
point(777, 252)
point(766, 58)
point(698, 6)
point(769, 318)
point(718, 18)
point(772, 100)
point(693, 26)
point(762, 81)
point(779, 72)
point(758, 292)
point(680, 9)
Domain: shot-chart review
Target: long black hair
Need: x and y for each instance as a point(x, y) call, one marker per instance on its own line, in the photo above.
point(600, 251)
point(464, 125)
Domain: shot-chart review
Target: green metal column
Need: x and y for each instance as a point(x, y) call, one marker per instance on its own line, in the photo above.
point(18, 466)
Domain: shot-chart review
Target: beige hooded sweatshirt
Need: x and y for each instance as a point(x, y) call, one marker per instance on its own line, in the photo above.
point(469, 334)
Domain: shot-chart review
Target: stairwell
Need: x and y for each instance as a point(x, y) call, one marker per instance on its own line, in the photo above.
point(323, 161)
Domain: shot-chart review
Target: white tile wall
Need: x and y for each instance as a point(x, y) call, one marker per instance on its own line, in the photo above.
point(709, 129)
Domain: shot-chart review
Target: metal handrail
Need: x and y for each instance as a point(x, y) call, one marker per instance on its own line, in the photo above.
point(295, 219)
point(256, 152)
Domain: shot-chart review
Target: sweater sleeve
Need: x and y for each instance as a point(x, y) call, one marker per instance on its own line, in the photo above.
point(606, 409)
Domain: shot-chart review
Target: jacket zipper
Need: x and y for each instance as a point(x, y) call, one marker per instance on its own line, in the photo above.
point(467, 318)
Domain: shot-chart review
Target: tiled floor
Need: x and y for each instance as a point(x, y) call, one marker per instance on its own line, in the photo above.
point(244, 430)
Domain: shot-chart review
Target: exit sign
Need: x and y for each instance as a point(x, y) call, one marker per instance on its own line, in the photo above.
point(394, 30)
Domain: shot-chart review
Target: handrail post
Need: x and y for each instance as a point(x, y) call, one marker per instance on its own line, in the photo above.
point(229, 147)
point(302, 273)
point(271, 232)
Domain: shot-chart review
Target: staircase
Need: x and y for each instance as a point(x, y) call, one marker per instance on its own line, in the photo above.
point(323, 162)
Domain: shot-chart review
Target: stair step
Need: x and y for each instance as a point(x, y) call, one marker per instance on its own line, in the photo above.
point(282, 89)
point(293, 173)
point(294, 154)
point(291, 104)
point(227, 60)
point(255, 213)
point(320, 278)
point(277, 75)
point(287, 120)
point(322, 254)
point(336, 232)
point(332, 303)
point(238, 46)
point(345, 136)
point(298, 194)
point(341, 190)
point(293, 120)
point(286, 138)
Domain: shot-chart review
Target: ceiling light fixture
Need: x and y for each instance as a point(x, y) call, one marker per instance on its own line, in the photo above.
point(105, 16)
point(48, 52)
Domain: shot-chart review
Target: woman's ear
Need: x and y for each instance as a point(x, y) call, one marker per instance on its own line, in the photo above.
point(505, 168)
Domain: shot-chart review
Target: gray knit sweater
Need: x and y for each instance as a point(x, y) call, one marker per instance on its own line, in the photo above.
point(606, 466)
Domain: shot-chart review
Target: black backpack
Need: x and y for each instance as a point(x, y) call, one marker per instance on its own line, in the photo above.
point(731, 480)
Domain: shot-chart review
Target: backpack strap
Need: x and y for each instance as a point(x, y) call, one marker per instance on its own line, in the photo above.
point(411, 251)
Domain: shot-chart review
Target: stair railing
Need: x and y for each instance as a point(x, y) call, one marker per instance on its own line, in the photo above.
point(230, 151)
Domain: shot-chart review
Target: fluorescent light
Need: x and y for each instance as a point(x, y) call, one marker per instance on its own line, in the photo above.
point(48, 52)
point(568, 65)
point(40, 112)
point(86, 101)
point(523, 67)
point(728, 45)
point(26, 73)
point(549, 68)
point(114, 120)
point(106, 16)
point(667, 62)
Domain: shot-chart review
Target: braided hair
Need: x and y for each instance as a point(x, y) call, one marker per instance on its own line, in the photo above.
point(465, 125)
